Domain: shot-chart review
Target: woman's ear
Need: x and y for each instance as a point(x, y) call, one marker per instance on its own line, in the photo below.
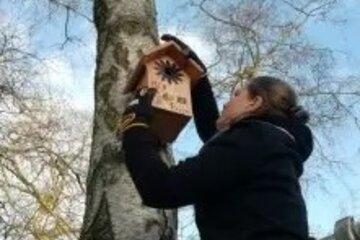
point(256, 103)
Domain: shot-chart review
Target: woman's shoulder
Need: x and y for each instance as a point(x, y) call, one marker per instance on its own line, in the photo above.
point(251, 134)
point(244, 133)
point(265, 130)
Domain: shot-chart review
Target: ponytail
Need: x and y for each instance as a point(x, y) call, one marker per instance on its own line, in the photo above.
point(279, 98)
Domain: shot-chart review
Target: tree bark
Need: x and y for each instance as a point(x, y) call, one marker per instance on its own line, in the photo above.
point(114, 209)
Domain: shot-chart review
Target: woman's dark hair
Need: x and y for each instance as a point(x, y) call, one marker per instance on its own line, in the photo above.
point(279, 98)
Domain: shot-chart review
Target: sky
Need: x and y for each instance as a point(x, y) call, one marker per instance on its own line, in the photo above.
point(72, 69)
point(341, 197)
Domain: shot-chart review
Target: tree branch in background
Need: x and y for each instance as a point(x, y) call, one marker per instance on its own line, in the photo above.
point(43, 156)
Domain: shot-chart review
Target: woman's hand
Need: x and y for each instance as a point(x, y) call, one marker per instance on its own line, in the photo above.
point(186, 50)
point(139, 112)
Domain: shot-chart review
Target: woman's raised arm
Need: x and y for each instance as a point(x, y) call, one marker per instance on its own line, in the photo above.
point(205, 109)
point(205, 176)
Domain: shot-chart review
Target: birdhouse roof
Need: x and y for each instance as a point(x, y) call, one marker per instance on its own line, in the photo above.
point(172, 50)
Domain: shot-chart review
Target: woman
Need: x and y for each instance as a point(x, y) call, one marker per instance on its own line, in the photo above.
point(244, 182)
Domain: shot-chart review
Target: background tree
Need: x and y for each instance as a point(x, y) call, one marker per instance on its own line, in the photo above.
point(42, 155)
point(250, 38)
point(41, 172)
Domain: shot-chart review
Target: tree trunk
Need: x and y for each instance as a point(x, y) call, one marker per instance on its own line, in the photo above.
point(113, 207)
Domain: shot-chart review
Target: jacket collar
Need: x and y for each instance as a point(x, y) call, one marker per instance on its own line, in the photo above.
point(301, 132)
point(278, 121)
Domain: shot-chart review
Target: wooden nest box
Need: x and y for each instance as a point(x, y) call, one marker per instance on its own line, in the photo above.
point(168, 69)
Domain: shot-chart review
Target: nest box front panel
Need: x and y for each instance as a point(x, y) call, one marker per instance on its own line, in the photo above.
point(172, 84)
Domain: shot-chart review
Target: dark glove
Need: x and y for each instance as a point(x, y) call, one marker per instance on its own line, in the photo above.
point(186, 50)
point(139, 112)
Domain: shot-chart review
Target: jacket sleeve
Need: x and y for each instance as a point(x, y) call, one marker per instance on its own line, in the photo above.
point(194, 179)
point(205, 109)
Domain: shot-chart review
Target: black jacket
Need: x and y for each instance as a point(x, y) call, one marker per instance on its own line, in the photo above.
point(244, 182)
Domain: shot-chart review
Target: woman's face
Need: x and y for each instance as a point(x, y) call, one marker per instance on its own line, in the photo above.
point(241, 104)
